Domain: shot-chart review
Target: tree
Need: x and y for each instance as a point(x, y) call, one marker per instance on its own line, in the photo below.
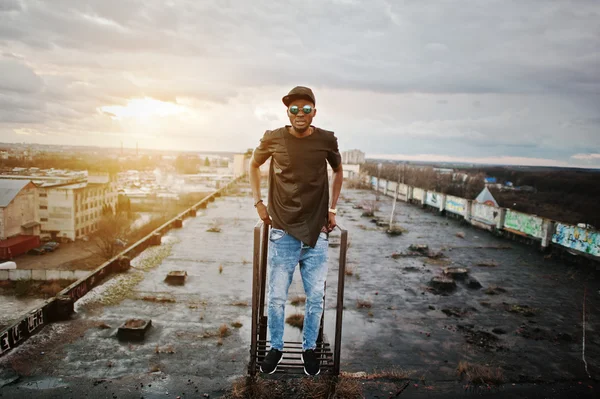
point(206, 162)
point(110, 238)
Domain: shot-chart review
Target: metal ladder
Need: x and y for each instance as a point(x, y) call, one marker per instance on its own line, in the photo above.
point(291, 363)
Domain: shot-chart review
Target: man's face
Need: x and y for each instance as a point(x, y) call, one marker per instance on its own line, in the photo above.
point(301, 121)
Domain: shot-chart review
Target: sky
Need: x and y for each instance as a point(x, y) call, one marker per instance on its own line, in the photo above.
point(499, 81)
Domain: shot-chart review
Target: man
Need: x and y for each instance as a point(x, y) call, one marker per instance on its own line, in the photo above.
point(301, 218)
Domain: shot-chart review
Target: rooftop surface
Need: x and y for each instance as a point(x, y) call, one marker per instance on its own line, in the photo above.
point(526, 319)
point(9, 189)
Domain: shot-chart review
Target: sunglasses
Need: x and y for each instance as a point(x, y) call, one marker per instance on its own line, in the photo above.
point(294, 109)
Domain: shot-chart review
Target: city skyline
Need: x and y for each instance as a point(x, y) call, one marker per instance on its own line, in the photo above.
point(504, 82)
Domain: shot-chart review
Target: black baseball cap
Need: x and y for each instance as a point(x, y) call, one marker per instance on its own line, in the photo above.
point(299, 92)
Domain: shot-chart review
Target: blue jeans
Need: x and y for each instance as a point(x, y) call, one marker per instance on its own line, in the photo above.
point(285, 252)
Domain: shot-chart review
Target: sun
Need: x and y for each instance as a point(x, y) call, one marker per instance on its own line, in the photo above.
point(143, 109)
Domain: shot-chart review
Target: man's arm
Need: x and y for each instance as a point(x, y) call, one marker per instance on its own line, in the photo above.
point(338, 179)
point(254, 175)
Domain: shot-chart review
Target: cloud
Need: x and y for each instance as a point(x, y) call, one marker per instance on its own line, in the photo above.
point(17, 77)
point(586, 157)
point(413, 77)
point(10, 5)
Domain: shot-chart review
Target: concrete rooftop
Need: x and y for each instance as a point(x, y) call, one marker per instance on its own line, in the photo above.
point(532, 330)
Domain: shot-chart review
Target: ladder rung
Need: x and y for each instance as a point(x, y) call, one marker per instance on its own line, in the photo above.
point(262, 352)
point(287, 343)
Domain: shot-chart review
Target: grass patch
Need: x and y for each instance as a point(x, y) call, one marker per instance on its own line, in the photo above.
point(35, 288)
point(478, 374)
point(236, 324)
point(214, 228)
point(395, 373)
point(522, 310)
point(366, 228)
point(321, 387)
point(240, 304)
point(494, 290)
point(124, 284)
point(224, 331)
point(155, 368)
point(296, 320)
point(164, 349)
point(297, 300)
point(488, 263)
point(362, 304)
point(158, 299)
point(438, 261)
point(220, 269)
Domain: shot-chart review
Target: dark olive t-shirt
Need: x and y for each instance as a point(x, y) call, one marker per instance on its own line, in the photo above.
point(298, 183)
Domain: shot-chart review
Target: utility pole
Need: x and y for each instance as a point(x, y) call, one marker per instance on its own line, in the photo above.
point(378, 180)
point(395, 198)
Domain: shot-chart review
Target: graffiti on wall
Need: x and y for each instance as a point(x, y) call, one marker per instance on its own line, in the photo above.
point(485, 213)
point(580, 239)
point(433, 199)
point(79, 291)
point(13, 335)
point(528, 224)
point(456, 205)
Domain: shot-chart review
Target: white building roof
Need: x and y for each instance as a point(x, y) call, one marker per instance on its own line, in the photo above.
point(9, 189)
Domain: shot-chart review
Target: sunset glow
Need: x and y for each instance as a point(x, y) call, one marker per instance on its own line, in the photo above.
point(143, 109)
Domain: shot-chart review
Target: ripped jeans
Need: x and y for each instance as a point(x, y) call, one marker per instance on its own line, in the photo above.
point(285, 252)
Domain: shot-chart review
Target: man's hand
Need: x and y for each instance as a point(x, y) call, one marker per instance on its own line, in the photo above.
point(263, 213)
point(331, 222)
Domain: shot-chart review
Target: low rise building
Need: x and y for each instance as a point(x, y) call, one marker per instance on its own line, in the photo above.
point(73, 210)
point(18, 208)
point(68, 206)
point(355, 157)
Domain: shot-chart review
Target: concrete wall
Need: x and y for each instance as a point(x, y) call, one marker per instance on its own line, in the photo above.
point(529, 225)
point(42, 275)
point(433, 199)
point(89, 204)
point(240, 164)
point(59, 216)
point(350, 170)
point(402, 191)
point(544, 231)
point(418, 194)
point(485, 213)
point(22, 209)
point(456, 205)
point(577, 238)
point(73, 211)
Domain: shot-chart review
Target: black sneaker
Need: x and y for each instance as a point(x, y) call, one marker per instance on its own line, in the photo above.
point(312, 364)
point(270, 362)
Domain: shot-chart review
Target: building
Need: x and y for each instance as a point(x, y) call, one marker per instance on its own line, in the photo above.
point(241, 164)
point(72, 210)
point(18, 209)
point(351, 171)
point(70, 205)
point(355, 157)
